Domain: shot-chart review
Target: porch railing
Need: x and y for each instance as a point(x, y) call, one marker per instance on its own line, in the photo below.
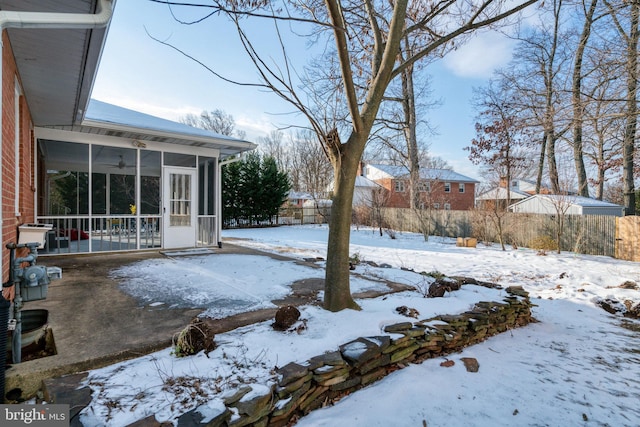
point(77, 234)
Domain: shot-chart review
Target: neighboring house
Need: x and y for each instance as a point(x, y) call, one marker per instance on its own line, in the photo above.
point(519, 189)
point(439, 188)
point(498, 197)
point(365, 192)
point(316, 211)
point(296, 199)
point(552, 204)
point(107, 178)
point(525, 186)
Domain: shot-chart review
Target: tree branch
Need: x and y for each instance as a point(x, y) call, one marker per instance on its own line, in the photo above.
point(335, 15)
point(468, 27)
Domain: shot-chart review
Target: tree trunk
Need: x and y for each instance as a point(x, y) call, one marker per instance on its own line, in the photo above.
point(628, 144)
point(550, 112)
point(337, 292)
point(551, 158)
point(543, 150)
point(409, 109)
point(601, 169)
point(576, 99)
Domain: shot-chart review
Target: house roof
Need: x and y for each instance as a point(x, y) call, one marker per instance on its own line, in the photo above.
point(300, 195)
point(364, 182)
point(571, 200)
point(57, 66)
point(430, 174)
point(500, 193)
point(111, 120)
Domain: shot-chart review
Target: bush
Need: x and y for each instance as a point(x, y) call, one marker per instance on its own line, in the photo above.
point(543, 244)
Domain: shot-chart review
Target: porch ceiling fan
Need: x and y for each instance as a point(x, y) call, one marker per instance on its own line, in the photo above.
point(121, 164)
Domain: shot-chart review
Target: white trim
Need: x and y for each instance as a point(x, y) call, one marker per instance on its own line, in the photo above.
point(165, 134)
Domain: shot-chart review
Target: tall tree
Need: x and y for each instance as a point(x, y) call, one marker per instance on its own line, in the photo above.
point(217, 121)
point(577, 101)
point(273, 145)
point(625, 17)
point(605, 126)
point(310, 165)
point(371, 31)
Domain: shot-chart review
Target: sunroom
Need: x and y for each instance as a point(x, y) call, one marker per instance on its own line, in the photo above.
point(123, 180)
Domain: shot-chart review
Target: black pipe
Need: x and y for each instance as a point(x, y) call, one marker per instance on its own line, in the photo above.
point(4, 321)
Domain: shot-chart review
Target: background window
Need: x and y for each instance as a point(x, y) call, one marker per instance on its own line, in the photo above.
point(461, 187)
point(447, 187)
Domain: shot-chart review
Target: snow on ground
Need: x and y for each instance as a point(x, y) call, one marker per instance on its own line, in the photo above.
point(577, 366)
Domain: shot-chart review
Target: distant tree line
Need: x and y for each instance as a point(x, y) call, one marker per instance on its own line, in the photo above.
point(564, 110)
point(253, 190)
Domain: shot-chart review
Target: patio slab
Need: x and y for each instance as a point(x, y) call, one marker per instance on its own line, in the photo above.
point(95, 324)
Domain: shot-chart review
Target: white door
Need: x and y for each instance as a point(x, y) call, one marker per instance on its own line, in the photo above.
point(179, 208)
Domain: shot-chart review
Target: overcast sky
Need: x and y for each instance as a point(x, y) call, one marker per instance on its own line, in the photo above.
point(140, 73)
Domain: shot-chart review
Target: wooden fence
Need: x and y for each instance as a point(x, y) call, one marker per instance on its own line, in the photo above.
point(586, 234)
point(628, 238)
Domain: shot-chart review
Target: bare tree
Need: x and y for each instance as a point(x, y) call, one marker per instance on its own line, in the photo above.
point(605, 127)
point(497, 147)
point(577, 102)
point(368, 33)
point(625, 17)
point(273, 145)
point(309, 165)
point(217, 121)
point(500, 136)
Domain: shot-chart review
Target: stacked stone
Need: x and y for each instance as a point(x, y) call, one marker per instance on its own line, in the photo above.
point(303, 387)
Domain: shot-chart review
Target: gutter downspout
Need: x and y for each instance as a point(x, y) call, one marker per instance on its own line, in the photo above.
point(16, 19)
point(219, 192)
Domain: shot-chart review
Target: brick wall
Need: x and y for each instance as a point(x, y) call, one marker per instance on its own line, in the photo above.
point(436, 195)
point(10, 221)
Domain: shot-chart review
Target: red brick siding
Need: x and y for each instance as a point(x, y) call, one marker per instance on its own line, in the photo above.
point(457, 200)
point(26, 160)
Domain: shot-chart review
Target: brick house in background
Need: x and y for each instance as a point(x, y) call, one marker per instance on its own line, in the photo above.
point(439, 188)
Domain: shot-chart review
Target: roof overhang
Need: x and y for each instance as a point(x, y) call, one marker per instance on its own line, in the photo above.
point(56, 64)
point(227, 147)
point(105, 121)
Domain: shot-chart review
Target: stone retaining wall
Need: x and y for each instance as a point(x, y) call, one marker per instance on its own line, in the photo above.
point(303, 387)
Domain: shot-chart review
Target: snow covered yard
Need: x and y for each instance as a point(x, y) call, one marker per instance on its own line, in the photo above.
point(577, 366)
